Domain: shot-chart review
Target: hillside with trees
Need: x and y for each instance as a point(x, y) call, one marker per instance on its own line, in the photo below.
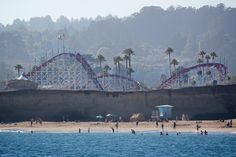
point(148, 32)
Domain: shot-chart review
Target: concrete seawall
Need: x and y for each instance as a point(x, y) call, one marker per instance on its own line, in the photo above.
point(199, 103)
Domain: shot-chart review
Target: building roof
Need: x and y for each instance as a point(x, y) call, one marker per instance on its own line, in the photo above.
point(164, 106)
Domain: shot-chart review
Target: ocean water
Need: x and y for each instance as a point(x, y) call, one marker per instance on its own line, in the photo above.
point(119, 144)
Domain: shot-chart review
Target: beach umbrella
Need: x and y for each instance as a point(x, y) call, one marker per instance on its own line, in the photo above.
point(110, 115)
point(99, 117)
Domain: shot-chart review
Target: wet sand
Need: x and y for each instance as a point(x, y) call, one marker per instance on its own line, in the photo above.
point(182, 126)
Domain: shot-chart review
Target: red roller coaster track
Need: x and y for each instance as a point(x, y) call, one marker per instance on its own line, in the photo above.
point(222, 69)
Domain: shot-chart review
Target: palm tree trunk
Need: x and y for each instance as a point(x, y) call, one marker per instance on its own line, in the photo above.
point(126, 66)
point(119, 67)
point(129, 61)
point(100, 66)
point(169, 65)
point(18, 71)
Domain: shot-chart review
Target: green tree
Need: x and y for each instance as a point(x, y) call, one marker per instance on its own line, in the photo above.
point(168, 51)
point(18, 67)
point(106, 68)
point(117, 61)
point(129, 52)
point(202, 54)
point(199, 61)
point(174, 62)
point(213, 56)
point(130, 71)
point(126, 58)
point(100, 59)
point(207, 57)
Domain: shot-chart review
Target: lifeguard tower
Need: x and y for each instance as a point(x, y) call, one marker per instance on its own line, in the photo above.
point(165, 111)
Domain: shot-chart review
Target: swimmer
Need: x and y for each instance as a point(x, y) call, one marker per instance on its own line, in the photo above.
point(161, 133)
point(201, 132)
point(205, 132)
point(113, 130)
point(132, 131)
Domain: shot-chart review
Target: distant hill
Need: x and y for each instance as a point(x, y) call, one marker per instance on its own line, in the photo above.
point(148, 32)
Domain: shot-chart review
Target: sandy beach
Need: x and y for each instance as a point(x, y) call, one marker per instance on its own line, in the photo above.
point(182, 126)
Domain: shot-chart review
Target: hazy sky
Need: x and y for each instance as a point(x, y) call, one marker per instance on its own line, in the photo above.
point(24, 9)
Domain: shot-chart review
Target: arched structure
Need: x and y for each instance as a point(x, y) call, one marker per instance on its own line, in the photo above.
point(71, 71)
point(198, 75)
point(65, 71)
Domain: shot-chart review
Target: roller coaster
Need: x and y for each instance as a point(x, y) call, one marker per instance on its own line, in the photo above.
point(70, 71)
point(198, 75)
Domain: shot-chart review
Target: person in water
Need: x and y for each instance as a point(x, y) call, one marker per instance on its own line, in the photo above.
point(201, 132)
point(205, 132)
point(88, 130)
point(113, 130)
point(79, 130)
point(132, 131)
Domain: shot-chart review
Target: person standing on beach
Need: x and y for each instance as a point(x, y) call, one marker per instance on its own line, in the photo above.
point(137, 123)
point(198, 126)
point(174, 125)
point(117, 125)
point(162, 127)
point(113, 130)
point(31, 122)
point(156, 123)
point(89, 130)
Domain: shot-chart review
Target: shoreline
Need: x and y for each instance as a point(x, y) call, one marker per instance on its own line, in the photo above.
point(123, 127)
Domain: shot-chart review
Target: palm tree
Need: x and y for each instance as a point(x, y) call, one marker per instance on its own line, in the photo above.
point(202, 53)
point(117, 61)
point(18, 67)
point(207, 57)
point(168, 51)
point(174, 62)
point(199, 61)
point(213, 55)
point(106, 69)
point(130, 71)
point(126, 58)
point(101, 59)
point(129, 52)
